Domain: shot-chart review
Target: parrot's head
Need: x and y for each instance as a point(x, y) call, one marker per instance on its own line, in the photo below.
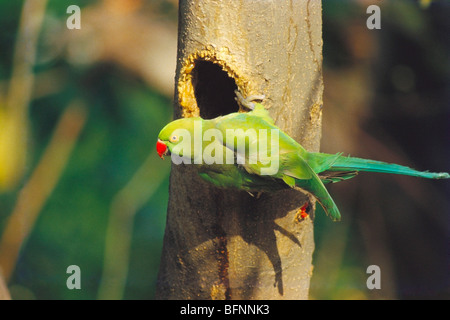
point(171, 135)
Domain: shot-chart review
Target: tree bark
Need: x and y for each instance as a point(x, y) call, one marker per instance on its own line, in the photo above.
point(226, 244)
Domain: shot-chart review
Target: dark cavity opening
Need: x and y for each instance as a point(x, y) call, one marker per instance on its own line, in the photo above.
point(214, 90)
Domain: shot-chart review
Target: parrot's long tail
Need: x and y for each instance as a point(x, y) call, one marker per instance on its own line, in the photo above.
point(356, 164)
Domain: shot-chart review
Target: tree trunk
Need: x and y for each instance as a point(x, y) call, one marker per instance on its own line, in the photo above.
point(226, 244)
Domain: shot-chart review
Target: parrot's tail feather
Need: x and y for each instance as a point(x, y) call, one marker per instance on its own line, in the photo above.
point(336, 176)
point(357, 164)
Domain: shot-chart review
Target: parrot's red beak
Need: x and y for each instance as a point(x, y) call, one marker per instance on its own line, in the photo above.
point(161, 148)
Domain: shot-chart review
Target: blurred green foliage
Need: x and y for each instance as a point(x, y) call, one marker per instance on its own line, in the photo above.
point(124, 119)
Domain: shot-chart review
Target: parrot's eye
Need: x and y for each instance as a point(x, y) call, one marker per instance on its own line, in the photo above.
point(173, 138)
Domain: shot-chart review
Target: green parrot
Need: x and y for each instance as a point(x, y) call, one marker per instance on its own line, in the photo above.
point(246, 151)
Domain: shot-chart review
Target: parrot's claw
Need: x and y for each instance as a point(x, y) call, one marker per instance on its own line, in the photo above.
point(247, 102)
point(257, 196)
point(256, 97)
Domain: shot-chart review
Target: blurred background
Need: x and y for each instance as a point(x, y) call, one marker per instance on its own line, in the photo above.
point(81, 184)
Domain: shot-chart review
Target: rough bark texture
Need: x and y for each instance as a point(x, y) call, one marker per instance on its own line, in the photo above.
point(224, 244)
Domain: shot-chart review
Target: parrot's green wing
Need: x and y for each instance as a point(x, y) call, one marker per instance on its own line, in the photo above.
point(247, 128)
point(293, 169)
point(262, 112)
point(316, 187)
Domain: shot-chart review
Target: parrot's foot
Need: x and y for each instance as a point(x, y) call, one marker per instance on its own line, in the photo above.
point(257, 196)
point(247, 102)
point(302, 213)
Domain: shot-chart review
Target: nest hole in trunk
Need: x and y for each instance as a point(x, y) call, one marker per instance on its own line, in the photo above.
point(214, 90)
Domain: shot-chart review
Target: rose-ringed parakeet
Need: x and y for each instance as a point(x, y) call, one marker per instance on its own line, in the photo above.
point(246, 151)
